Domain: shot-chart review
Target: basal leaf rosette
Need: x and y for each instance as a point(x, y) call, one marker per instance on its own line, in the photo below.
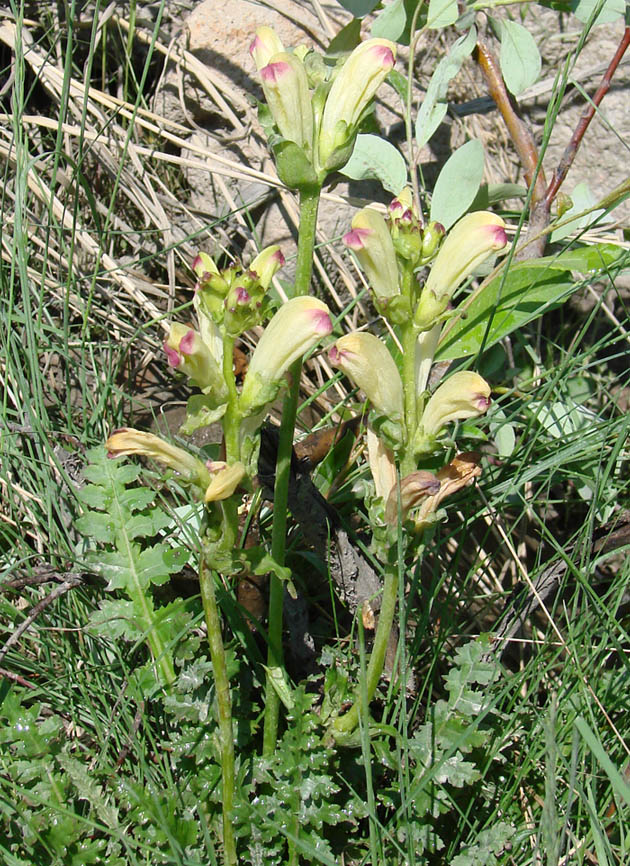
point(366, 360)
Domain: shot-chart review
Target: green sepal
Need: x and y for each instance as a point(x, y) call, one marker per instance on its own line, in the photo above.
point(201, 412)
point(295, 169)
point(397, 309)
point(390, 430)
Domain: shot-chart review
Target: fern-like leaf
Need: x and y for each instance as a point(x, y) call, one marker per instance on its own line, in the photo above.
point(122, 521)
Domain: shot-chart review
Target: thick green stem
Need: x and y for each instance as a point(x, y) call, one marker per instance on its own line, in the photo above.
point(345, 724)
point(309, 202)
point(224, 705)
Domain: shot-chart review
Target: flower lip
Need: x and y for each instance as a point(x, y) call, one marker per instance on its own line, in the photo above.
point(275, 71)
point(187, 342)
point(355, 238)
point(172, 356)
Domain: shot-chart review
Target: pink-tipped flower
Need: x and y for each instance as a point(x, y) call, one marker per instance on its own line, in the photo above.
point(366, 360)
point(225, 478)
point(353, 87)
point(372, 244)
point(464, 395)
point(264, 45)
point(187, 351)
point(466, 246)
point(127, 441)
point(406, 227)
point(414, 488)
point(286, 89)
point(297, 326)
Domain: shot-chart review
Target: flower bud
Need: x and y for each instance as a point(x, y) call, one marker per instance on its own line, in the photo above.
point(432, 237)
point(353, 87)
point(413, 489)
point(464, 395)
point(287, 93)
point(224, 479)
point(265, 266)
point(186, 351)
point(366, 360)
point(466, 246)
point(128, 441)
point(371, 242)
point(264, 45)
point(406, 227)
point(296, 327)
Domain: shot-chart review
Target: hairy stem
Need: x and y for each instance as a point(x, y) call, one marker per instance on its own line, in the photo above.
point(309, 202)
point(224, 704)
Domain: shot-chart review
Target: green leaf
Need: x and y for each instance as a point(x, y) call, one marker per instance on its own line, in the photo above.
point(530, 288)
point(345, 41)
point(359, 8)
point(201, 411)
point(583, 199)
point(434, 105)
point(502, 432)
point(458, 183)
point(610, 10)
point(390, 23)
point(376, 158)
point(442, 13)
point(494, 193)
point(617, 781)
point(520, 58)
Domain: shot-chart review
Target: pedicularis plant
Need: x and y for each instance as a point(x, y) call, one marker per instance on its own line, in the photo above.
point(314, 110)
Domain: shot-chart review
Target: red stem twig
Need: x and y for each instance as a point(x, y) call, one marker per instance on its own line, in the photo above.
point(572, 147)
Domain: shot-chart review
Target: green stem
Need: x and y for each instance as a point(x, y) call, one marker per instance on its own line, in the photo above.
point(231, 419)
point(309, 202)
point(345, 724)
point(224, 705)
point(409, 336)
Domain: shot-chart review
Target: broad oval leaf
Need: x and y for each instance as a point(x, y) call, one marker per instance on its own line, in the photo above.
point(610, 11)
point(434, 105)
point(520, 58)
point(458, 183)
point(390, 23)
point(442, 13)
point(376, 158)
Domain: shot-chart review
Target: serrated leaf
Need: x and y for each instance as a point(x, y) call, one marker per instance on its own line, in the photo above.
point(373, 157)
point(93, 497)
point(135, 498)
point(390, 23)
point(115, 619)
point(434, 105)
point(520, 59)
point(96, 525)
point(442, 13)
point(458, 183)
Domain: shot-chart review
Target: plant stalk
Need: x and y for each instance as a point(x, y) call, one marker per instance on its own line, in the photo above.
point(345, 724)
point(309, 203)
point(224, 704)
